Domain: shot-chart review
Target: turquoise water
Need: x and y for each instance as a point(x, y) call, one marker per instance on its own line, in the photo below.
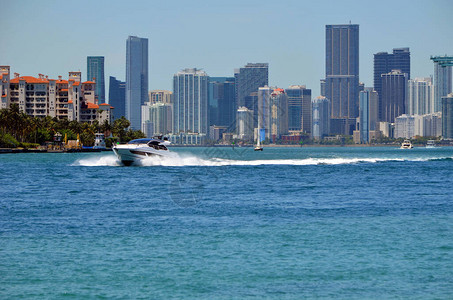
point(222, 223)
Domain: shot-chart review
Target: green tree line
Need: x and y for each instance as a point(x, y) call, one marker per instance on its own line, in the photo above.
point(17, 129)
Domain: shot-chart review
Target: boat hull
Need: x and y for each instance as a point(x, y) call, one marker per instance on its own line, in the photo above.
point(130, 155)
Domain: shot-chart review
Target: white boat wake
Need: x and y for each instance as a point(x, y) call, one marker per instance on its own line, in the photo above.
point(183, 160)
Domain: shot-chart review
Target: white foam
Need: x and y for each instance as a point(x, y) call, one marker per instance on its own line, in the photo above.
point(99, 161)
point(190, 160)
point(180, 161)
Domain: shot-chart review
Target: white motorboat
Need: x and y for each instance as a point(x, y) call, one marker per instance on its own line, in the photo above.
point(406, 145)
point(430, 144)
point(138, 149)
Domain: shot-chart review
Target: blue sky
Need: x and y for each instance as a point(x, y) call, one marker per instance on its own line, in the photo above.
point(55, 37)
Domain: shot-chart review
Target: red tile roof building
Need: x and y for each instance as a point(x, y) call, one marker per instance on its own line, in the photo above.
point(64, 99)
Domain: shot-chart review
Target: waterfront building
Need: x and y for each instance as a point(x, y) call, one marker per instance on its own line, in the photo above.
point(263, 113)
point(95, 72)
point(420, 96)
point(299, 108)
point(393, 98)
point(160, 96)
point(405, 127)
point(321, 117)
point(447, 116)
point(117, 96)
point(342, 76)
point(368, 114)
point(428, 125)
point(410, 126)
point(248, 79)
point(244, 122)
point(190, 108)
point(278, 103)
point(157, 118)
point(364, 116)
point(136, 79)
point(4, 87)
point(442, 79)
point(222, 102)
point(252, 101)
point(41, 96)
point(385, 62)
point(216, 132)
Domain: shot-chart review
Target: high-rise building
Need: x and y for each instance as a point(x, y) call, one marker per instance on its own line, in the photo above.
point(160, 96)
point(342, 76)
point(393, 99)
point(368, 113)
point(248, 79)
point(190, 107)
point(263, 112)
point(385, 62)
point(420, 96)
point(252, 101)
point(278, 103)
point(157, 118)
point(245, 123)
point(299, 108)
point(41, 96)
point(321, 117)
point(447, 116)
point(117, 97)
point(136, 78)
point(221, 104)
point(442, 79)
point(95, 72)
point(322, 86)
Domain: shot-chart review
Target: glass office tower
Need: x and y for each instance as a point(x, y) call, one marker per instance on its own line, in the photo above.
point(136, 79)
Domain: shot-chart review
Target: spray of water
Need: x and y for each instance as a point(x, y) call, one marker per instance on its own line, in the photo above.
point(191, 160)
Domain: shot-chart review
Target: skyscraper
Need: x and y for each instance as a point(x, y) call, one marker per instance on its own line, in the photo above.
point(278, 102)
point(368, 113)
point(342, 76)
point(95, 71)
point(442, 79)
point(117, 97)
point(136, 78)
point(299, 108)
point(321, 117)
point(190, 107)
point(447, 116)
point(384, 63)
point(393, 100)
point(221, 104)
point(245, 123)
point(248, 79)
point(420, 96)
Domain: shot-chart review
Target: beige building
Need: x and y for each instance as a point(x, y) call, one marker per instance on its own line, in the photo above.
point(64, 99)
point(160, 96)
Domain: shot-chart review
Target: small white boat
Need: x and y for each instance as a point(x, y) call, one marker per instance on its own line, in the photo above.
point(258, 142)
point(430, 144)
point(406, 145)
point(138, 149)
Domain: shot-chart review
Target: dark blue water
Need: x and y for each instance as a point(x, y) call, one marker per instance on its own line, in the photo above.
point(222, 223)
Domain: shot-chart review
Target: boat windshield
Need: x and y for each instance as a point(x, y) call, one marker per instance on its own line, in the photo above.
point(139, 141)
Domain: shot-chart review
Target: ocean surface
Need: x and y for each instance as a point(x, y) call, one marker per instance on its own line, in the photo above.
point(223, 223)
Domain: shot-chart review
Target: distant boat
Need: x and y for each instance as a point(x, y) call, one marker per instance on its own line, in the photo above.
point(258, 142)
point(406, 145)
point(430, 144)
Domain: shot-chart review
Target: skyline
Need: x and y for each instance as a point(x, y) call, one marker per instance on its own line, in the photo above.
point(218, 38)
